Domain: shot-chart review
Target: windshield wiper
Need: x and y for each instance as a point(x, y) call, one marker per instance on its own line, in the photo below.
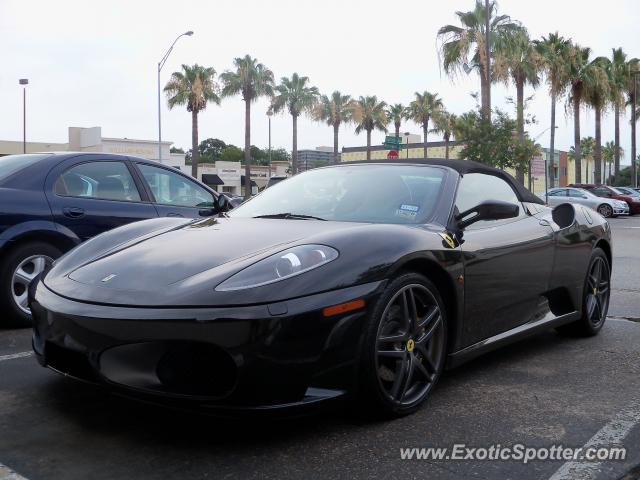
point(293, 216)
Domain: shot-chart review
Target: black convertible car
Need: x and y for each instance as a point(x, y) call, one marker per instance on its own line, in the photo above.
point(363, 280)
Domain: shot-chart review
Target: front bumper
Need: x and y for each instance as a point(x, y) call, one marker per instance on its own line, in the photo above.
point(621, 210)
point(252, 357)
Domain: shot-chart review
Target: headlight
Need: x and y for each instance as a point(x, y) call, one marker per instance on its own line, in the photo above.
point(280, 266)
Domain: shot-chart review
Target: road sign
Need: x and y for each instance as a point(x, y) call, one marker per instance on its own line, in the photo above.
point(392, 155)
point(537, 166)
point(392, 142)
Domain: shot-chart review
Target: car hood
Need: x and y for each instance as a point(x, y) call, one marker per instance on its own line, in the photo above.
point(182, 265)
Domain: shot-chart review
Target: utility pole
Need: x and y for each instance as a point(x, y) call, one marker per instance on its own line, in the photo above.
point(634, 105)
point(24, 82)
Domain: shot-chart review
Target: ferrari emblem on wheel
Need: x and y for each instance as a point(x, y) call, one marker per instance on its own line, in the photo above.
point(410, 345)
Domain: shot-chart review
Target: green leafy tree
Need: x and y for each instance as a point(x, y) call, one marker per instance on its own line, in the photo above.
point(296, 96)
point(209, 150)
point(176, 150)
point(493, 142)
point(334, 111)
point(194, 87)
point(552, 51)
point(231, 153)
point(252, 80)
point(463, 48)
point(396, 114)
point(444, 124)
point(421, 109)
point(280, 155)
point(369, 114)
point(517, 61)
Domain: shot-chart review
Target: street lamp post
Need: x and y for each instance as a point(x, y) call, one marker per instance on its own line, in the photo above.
point(24, 82)
point(634, 165)
point(546, 167)
point(269, 115)
point(160, 65)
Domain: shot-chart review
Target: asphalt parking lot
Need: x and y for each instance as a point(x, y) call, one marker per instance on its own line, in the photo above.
point(546, 391)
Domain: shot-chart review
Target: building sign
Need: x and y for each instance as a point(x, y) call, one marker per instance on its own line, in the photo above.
point(138, 151)
point(229, 175)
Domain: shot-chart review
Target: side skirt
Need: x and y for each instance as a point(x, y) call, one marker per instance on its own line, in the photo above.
point(518, 333)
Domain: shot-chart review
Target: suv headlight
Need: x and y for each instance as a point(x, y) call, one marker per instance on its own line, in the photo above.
point(280, 266)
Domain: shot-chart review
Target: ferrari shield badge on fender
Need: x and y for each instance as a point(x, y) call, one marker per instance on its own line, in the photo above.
point(448, 240)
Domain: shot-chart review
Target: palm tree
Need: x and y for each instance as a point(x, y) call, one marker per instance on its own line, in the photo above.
point(334, 111)
point(396, 113)
point(194, 87)
point(445, 124)
point(368, 114)
point(578, 77)
point(297, 97)
point(252, 80)
point(632, 67)
point(553, 55)
point(421, 110)
point(456, 44)
point(609, 153)
point(517, 61)
point(597, 94)
point(618, 72)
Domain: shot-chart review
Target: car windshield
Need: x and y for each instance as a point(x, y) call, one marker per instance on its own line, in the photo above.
point(354, 193)
point(13, 163)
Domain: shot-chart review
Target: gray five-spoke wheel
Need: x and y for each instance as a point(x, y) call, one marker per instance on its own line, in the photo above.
point(22, 277)
point(410, 344)
point(597, 294)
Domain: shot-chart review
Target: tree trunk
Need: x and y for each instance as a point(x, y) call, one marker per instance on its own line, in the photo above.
point(294, 147)
point(634, 160)
point(336, 127)
point(520, 165)
point(247, 149)
point(484, 93)
point(446, 147)
point(576, 138)
point(552, 146)
point(368, 144)
point(397, 125)
point(425, 131)
point(597, 153)
point(616, 141)
point(195, 152)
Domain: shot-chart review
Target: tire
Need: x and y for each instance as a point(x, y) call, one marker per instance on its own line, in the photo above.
point(20, 266)
point(594, 305)
point(398, 381)
point(605, 210)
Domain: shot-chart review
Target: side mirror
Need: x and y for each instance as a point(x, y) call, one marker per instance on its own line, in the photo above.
point(488, 210)
point(222, 204)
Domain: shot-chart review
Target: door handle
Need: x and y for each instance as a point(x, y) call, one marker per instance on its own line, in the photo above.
point(173, 214)
point(73, 212)
point(545, 223)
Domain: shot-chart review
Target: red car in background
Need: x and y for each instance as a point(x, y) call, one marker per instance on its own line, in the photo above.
point(609, 192)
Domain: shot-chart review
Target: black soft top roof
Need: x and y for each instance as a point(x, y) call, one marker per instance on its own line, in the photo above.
point(463, 167)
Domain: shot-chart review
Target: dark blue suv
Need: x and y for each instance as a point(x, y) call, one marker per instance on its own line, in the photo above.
point(49, 203)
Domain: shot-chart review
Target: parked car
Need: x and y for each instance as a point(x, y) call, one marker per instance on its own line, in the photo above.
point(605, 191)
point(632, 192)
point(49, 203)
point(234, 200)
point(607, 207)
point(275, 179)
point(367, 286)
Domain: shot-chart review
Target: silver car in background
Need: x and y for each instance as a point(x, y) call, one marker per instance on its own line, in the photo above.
point(607, 207)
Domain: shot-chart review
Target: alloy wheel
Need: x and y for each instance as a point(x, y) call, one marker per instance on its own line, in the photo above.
point(22, 277)
point(597, 294)
point(605, 210)
point(409, 345)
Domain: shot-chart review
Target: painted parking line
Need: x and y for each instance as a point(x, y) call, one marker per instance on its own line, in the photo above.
point(612, 434)
point(7, 474)
point(15, 355)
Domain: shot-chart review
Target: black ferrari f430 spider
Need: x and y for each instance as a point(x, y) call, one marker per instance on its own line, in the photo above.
point(362, 280)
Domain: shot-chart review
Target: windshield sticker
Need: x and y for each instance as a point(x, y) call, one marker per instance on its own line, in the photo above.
point(409, 208)
point(407, 211)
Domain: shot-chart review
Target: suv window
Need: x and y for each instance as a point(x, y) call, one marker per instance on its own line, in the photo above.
point(171, 188)
point(475, 188)
point(102, 180)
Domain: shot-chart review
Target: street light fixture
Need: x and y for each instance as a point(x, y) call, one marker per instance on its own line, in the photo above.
point(160, 65)
point(24, 82)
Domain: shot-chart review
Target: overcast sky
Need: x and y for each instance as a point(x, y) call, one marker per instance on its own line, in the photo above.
point(94, 63)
